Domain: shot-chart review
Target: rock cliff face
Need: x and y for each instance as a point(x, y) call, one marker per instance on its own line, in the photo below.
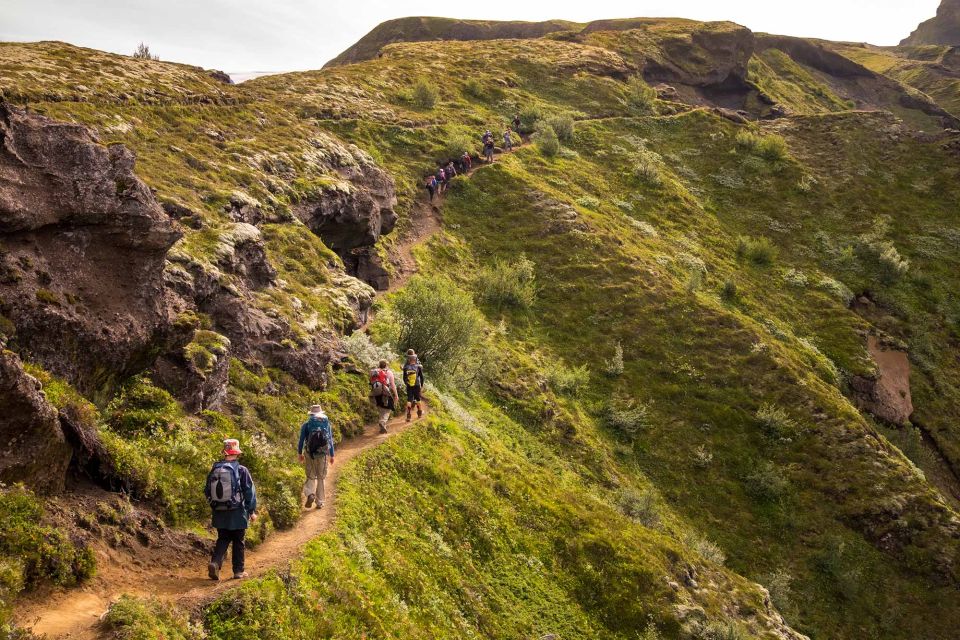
point(942, 29)
point(82, 249)
point(34, 450)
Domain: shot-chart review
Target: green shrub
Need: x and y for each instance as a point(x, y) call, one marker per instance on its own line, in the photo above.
point(143, 409)
point(456, 145)
point(530, 115)
point(837, 289)
point(547, 140)
point(437, 319)
point(766, 483)
point(647, 169)
point(132, 619)
point(283, 506)
point(473, 88)
point(564, 379)
point(759, 250)
point(588, 202)
point(46, 296)
point(722, 631)
point(614, 366)
point(641, 97)
point(729, 290)
point(32, 552)
point(563, 125)
point(508, 284)
point(706, 549)
point(627, 418)
point(776, 422)
point(772, 148)
point(424, 94)
point(640, 506)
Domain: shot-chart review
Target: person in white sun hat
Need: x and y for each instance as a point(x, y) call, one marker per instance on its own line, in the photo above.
point(316, 452)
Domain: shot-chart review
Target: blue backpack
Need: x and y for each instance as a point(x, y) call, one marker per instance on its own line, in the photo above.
point(223, 484)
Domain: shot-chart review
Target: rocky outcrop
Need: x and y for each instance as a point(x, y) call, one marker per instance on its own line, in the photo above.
point(422, 29)
point(942, 29)
point(351, 221)
point(887, 396)
point(82, 249)
point(34, 450)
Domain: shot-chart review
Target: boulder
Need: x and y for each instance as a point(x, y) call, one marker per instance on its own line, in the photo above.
point(35, 450)
point(83, 243)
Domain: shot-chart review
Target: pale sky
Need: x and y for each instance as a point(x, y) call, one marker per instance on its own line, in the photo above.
point(287, 35)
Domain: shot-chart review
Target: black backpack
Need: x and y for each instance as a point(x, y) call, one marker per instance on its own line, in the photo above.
point(318, 442)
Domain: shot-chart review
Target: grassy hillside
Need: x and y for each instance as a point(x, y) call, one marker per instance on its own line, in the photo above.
point(664, 420)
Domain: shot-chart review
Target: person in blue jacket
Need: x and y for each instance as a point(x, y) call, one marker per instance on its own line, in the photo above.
point(233, 499)
point(315, 450)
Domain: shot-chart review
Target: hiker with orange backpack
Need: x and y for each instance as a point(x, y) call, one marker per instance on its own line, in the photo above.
point(233, 500)
point(413, 381)
point(383, 391)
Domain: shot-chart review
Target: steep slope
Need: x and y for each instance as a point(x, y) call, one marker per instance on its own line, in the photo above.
point(944, 28)
point(419, 29)
point(701, 358)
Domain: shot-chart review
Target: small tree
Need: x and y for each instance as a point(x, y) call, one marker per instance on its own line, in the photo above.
point(424, 94)
point(508, 284)
point(563, 126)
point(640, 95)
point(437, 319)
point(547, 140)
point(142, 52)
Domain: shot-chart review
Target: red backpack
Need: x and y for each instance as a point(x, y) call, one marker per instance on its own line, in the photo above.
point(378, 383)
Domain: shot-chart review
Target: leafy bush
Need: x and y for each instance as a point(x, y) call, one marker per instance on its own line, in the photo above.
point(766, 483)
point(457, 144)
point(437, 319)
point(837, 289)
point(796, 278)
point(473, 88)
point(640, 96)
point(284, 507)
point(563, 125)
point(143, 409)
point(729, 290)
point(566, 379)
point(640, 506)
point(647, 170)
point(772, 148)
point(132, 619)
point(530, 115)
point(614, 366)
point(628, 418)
point(508, 284)
point(424, 94)
point(32, 552)
point(365, 351)
point(704, 548)
point(776, 422)
point(759, 250)
point(546, 139)
point(588, 202)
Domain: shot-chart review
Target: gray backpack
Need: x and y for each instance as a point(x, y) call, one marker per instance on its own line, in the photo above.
point(223, 484)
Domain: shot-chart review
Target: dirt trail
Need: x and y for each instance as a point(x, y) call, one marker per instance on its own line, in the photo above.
point(74, 614)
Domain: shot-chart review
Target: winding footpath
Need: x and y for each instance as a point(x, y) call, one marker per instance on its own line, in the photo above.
point(75, 614)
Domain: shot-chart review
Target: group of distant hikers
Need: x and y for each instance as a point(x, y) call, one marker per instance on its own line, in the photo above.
point(230, 490)
point(440, 180)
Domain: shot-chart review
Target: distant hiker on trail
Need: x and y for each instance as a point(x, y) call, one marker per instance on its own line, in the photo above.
point(413, 381)
point(233, 500)
point(451, 171)
point(507, 141)
point(488, 135)
point(431, 185)
point(488, 149)
point(315, 448)
point(516, 124)
point(441, 177)
point(467, 162)
point(383, 390)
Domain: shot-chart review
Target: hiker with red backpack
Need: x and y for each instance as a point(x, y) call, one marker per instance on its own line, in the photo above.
point(233, 500)
point(383, 391)
point(413, 381)
point(467, 162)
point(316, 452)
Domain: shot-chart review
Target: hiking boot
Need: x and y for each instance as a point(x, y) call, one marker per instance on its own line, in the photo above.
point(320, 505)
point(213, 571)
point(383, 428)
point(408, 415)
point(241, 575)
point(419, 413)
point(310, 499)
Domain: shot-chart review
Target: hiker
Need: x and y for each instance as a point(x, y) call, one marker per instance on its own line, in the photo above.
point(467, 162)
point(486, 136)
point(507, 141)
point(451, 171)
point(441, 180)
point(315, 449)
point(516, 124)
point(233, 501)
point(488, 149)
point(413, 381)
point(432, 186)
point(383, 390)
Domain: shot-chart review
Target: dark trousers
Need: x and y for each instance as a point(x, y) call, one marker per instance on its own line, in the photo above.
point(224, 538)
